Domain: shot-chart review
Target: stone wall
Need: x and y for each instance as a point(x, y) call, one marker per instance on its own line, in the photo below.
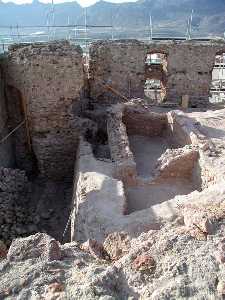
point(125, 166)
point(6, 155)
point(142, 122)
point(49, 80)
point(13, 195)
point(121, 64)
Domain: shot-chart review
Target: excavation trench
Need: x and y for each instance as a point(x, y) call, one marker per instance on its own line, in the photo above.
point(146, 193)
point(156, 184)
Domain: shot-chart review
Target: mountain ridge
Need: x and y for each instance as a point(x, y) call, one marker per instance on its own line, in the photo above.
point(124, 15)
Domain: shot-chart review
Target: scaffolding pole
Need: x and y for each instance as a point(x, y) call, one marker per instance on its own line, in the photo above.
point(68, 22)
point(112, 30)
point(189, 25)
point(150, 27)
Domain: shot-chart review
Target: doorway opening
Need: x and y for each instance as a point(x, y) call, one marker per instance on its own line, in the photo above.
point(155, 77)
point(217, 89)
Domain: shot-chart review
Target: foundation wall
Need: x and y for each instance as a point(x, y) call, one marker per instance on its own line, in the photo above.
point(98, 198)
point(121, 64)
point(125, 166)
point(50, 81)
point(147, 124)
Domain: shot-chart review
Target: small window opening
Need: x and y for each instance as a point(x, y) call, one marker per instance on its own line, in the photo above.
point(217, 90)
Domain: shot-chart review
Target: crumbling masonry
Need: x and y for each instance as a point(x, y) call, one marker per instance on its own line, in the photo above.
point(78, 132)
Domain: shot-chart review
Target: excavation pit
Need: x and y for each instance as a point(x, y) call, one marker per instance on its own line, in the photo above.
point(142, 197)
point(146, 193)
point(146, 152)
point(165, 166)
point(155, 164)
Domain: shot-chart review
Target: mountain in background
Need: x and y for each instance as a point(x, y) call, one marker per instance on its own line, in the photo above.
point(208, 17)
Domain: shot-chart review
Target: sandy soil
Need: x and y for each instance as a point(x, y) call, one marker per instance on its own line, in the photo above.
point(142, 197)
point(146, 151)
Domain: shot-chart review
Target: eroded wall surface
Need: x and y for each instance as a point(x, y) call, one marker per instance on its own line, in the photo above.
point(49, 81)
point(6, 155)
point(121, 64)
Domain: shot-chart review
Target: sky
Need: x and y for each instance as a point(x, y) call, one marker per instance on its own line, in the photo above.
point(83, 3)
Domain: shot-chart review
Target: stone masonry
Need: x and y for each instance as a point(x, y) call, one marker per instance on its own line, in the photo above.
point(46, 83)
point(6, 157)
point(50, 81)
point(121, 64)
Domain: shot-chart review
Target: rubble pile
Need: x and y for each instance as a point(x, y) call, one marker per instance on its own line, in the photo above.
point(15, 219)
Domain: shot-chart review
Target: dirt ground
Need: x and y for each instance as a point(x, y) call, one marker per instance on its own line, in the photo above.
point(146, 151)
point(142, 197)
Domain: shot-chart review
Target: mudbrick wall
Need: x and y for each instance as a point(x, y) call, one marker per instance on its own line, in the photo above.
point(121, 64)
point(47, 80)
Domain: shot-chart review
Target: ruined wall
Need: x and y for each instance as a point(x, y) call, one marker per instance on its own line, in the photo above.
point(141, 122)
point(119, 64)
point(125, 166)
point(6, 155)
point(122, 64)
point(50, 81)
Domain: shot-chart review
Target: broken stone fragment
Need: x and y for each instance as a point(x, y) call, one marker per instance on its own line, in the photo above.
point(54, 291)
point(144, 262)
point(221, 288)
point(196, 219)
point(117, 244)
point(3, 250)
point(39, 245)
point(55, 287)
point(221, 245)
point(220, 257)
point(95, 249)
point(220, 254)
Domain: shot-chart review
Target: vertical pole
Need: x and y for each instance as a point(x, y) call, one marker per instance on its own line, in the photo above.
point(53, 19)
point(150, 27)
point(112, 33)
point(191, 18)
point(75, 32)
point(11, 33)
point(18, 35)
point(47, 24)
point(68, 23)
point(188, 29)
point(85, 22)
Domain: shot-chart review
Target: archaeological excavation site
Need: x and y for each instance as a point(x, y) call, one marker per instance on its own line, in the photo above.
point(112, 171)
